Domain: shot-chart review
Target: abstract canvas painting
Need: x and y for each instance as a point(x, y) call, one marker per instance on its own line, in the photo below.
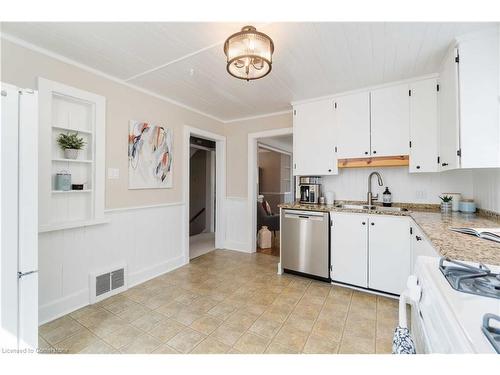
point(149, 156)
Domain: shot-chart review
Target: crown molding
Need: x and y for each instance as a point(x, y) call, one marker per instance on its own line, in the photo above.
point(257, 116)
point(64, 59)
point(366, 88)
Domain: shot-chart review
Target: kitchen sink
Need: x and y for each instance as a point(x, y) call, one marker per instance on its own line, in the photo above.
point(396, 209)
point(354, 206)
point(366, 207)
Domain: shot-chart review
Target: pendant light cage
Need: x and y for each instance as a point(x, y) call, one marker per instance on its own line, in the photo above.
point(249, 54)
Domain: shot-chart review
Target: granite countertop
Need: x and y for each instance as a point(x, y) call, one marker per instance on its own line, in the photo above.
point(334, 208)
point(436, 226)
point(458, 245)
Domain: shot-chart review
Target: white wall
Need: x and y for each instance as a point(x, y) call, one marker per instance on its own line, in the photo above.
point(21, 66)
point(147, 240)
point(487, 189)
point(352, 184)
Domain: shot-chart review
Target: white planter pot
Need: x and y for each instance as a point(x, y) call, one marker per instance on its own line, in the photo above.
point(70, 153)
point(446, 207)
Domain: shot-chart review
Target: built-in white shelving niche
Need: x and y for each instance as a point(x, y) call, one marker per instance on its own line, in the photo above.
point(65, 109)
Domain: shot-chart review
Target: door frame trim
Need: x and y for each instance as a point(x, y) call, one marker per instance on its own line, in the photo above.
point(252, 180)
point(220, 178)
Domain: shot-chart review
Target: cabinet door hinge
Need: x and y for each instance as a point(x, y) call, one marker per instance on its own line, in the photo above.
point(409, 92)
point(457, 58)
point(437, 87)
point(411, 230)
point(335, 148)
point(409, 143)
point(439, 159)
point(335, 105)
point(294, 112)
point(331, 222)
point(459, 152)
point(294, 166)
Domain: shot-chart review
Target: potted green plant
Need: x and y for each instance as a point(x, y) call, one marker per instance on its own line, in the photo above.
point(71, 143)
point(446, 203)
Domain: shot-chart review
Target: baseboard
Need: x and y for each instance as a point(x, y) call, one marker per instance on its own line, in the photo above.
point(237, 246)
point(63, 306)
point(77, 300)
point(139, 277)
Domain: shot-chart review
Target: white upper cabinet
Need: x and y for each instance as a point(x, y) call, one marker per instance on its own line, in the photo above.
point(468, 103)
point(448, 112)
point(314, 139)
point(424, 126)
point(390, 116)
point(352, 114)
point(479, 100)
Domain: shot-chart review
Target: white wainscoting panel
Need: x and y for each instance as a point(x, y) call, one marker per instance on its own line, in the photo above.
point(148, 240)
point(237, 222)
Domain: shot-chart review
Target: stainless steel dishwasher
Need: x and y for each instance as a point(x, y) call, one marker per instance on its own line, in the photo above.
point(305, 243)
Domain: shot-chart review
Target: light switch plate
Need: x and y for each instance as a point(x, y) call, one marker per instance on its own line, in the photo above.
point(113, 173)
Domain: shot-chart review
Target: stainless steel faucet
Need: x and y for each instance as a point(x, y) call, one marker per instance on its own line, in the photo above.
point(370, 197)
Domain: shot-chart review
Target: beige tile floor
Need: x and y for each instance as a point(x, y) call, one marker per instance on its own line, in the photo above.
point(228, 302)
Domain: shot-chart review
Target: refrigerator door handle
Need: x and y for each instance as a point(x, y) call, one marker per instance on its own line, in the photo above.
point(22, 274)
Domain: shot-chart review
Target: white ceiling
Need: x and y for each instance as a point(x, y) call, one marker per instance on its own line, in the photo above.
point(185, 61)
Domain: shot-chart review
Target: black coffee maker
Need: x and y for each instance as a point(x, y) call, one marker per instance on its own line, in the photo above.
point(310, 188)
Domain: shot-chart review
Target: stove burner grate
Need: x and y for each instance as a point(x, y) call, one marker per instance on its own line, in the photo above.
point(470, 279)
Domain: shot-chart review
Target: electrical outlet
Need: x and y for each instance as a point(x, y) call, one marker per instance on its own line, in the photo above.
point(113, 173)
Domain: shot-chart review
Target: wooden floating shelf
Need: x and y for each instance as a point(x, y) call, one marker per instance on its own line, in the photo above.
point(379, 161)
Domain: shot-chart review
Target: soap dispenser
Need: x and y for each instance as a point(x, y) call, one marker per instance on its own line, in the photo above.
point(387, 198)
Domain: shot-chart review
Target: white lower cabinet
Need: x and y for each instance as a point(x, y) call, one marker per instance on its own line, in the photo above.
point(420, 245)
point(389, 254)
point(370, 251)
point(349, 249)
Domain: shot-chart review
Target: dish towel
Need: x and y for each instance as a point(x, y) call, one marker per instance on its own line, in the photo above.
point(402, 343)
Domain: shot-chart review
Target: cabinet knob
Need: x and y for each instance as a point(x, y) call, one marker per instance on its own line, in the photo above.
point(418, 166)
point(329, 170)
point(374, 151)
point(444, 164)
point(366, 152)
point(418, 238)
point(372, 223)
point(364, 223)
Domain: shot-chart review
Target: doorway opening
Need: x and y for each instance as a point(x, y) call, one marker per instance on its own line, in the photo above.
point(274, 186)
point(202, 196)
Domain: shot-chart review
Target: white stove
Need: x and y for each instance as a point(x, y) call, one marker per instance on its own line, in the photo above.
point(445, 320)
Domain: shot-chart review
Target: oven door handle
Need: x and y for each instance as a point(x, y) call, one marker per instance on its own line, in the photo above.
point(411, 295)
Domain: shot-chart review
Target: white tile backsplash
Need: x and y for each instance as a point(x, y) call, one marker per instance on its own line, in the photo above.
point(352, 184)
point(486, 185)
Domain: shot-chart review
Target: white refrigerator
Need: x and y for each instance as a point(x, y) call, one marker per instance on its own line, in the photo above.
point(19, 217)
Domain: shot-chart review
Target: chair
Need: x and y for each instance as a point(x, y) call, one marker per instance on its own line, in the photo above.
point(272, 222)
